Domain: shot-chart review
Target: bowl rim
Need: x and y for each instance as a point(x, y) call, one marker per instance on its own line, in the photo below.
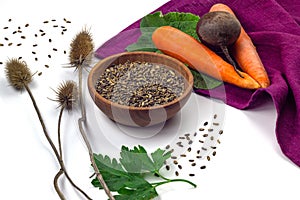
point(186, 92)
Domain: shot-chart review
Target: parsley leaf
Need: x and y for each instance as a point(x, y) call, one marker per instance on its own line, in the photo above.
point(126, 176)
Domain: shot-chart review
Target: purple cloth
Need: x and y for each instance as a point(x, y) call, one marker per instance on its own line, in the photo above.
point(274, 28)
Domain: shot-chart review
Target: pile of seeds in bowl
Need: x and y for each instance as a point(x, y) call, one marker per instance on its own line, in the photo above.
point(140, 84)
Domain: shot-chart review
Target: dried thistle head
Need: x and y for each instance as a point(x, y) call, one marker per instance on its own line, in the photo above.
point(17, 73)
point(82, 47)
point(67, 94)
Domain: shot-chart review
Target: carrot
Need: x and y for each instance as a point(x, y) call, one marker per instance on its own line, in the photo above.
point(187, 49)
point(245, 53)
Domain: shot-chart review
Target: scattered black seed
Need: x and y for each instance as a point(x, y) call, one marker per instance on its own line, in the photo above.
point(54, 20)
point(195, 134)
point(191, 160)
point(171, 151)
point(40, 73)
point(62, 33)
point(167, 167)
point(65, 29)
point(49, 56)
point(191, 142)
point(68, 22)
point(6, 39)
point(213, 147)
point(214, 153)
point(183, 155)
point(215, 116)
point(33, 52)
point(19, 44)
point(179, 167)
point(35, 45)
point(35, 35)
point(6, 27)
point(175, 162)
point(55, 26)
point(43, 34)
point(26, 25)
point(1, 45)
point(19, 31)
point(187, 134)
point(47, 66)
point(212, 138)
point(210, 130)
point(205, 123)
point(19, 27)
point(62, 26)
point(65, 51)
point(201, 129)
point(20, 58)
point(189, 149)
point(45, 22)
point(204, 149)
point(203, 167)
point(187, 138)
point(193, 164)
point(221, 132)
point(205, 135)
point(208, 158)
point(167, 147)
point(50, 40)
point(14, 32)
point(54, 49)
point(9, 44)
point(182, 138)
point(201, 141)
point(216, 124)
point(23, 37)
point(36, 59)
point(198, 151)
point(9, 20)
point(191, 174)
point(174, 157)
point(218, 141)
point(199, 157)
point(177, 173)
point(1, 63)
point(41, 31)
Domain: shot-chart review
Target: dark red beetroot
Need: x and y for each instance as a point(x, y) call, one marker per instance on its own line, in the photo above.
point(219, 29)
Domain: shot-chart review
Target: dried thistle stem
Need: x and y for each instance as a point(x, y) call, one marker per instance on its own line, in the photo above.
point(57, 155)
point(81, 121)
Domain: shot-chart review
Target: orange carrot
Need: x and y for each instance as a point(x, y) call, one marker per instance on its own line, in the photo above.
point(245, 53)
point(187, 49)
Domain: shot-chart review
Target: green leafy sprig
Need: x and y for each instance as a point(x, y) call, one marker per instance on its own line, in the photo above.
point(126, 176)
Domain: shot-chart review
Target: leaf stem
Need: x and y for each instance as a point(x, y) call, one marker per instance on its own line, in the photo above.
point(81, 121)
point(58, 191)
point(173, 180)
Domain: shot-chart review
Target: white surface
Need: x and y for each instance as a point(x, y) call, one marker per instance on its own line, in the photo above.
point(248, 164)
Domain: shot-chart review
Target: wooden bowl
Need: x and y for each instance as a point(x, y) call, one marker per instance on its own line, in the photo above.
point(139, 116)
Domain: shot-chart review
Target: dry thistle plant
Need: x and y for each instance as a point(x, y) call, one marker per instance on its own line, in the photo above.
point(66, 96)
point(81, 51)
point(19, 76)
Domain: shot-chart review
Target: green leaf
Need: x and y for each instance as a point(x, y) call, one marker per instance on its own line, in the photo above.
point(159, 157)
point(143, 193)
point(185, 22)
point(202, 81)
point(136, 160)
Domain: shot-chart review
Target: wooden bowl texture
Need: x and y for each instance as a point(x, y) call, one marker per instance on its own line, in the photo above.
point(139, 116)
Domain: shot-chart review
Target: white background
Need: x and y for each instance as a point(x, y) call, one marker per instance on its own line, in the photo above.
point(248, 164)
